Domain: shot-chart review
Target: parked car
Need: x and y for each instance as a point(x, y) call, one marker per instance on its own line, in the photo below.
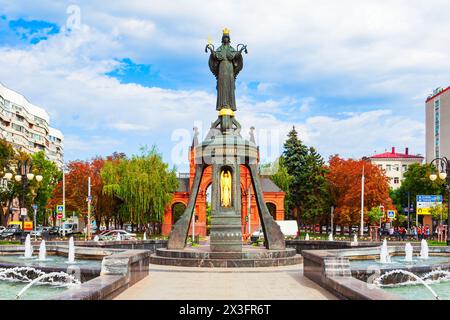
point(68, 228)
point(53, 231)
point(289, 228)
point(11, 231)
point(2, 228)
point(112, 235)
point(38, 232)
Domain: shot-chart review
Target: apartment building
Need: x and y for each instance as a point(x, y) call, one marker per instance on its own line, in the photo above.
point(395, 164)
point(27, 127)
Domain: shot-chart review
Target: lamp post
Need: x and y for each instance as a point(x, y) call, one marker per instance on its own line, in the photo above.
point(443, 174)
point(24, 174)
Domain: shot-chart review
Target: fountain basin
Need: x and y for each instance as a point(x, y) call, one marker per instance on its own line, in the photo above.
point(9, 290)
point(349, 273)
point(103, 272)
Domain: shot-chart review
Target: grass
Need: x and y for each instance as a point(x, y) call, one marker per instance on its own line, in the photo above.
point(5, 242)
point(434, 243)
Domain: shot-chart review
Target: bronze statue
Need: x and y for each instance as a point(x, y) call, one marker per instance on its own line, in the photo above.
point(226, 63)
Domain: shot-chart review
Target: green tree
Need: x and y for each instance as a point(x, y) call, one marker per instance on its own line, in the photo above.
point(375, 214)
point(416, 182)
point(6, 191)
point(308, 190)
point(439, 213)
point(51, 175)
point(144, 184)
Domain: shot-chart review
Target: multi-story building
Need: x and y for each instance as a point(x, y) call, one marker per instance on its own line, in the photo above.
point(26, 126)
point(437, 124)
point(395, 164)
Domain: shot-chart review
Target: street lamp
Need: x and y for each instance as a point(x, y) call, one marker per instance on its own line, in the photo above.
point(24, 174)
point(444, 174)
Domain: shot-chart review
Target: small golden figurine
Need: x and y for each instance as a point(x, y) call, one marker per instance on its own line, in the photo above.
point(225, 188)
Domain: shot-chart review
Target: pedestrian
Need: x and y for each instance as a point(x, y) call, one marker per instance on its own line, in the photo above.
point(419, 233)
point(427, 232)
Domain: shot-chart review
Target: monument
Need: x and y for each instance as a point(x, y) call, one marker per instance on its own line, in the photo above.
point(226, 151)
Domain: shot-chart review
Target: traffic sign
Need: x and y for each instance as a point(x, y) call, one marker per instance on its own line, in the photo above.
point(27, 225)
point(60, 208)
point(429, 198)
point(89, 198)
point(424, 211)
point(59, 216)
point(23, 211)
point(391, 214)
point(426, 202)
point(35, 206)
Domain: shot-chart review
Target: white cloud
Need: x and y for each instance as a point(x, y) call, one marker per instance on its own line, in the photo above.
point(346, 48)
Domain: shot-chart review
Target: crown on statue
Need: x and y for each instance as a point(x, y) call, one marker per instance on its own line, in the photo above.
point(226, 32)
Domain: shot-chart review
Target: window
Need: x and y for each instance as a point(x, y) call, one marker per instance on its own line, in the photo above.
point(396, 180)
point(388, 167)
point(380, 166)
point(437, 107)
point(404, 168)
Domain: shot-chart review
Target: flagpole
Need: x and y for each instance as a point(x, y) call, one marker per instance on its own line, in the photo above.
point(362, 204)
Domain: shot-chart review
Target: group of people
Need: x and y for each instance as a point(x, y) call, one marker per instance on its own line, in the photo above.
point(417, 232)
point(421, 232)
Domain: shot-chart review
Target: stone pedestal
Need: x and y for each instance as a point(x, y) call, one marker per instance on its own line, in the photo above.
point(226, 233)
point(225, 149)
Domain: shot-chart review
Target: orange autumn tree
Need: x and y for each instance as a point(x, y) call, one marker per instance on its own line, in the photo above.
point(344, 180)
point(77, 190)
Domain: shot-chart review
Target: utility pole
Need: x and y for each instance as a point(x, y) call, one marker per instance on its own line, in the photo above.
point(362, 204)
point(249, 206)
point(332, 219)
point(64, 193)
point(89, 210)
point(409, 209)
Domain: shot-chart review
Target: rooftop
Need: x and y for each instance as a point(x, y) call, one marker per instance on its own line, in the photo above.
point(436, 93)
point(396, 155)
point(21, 101)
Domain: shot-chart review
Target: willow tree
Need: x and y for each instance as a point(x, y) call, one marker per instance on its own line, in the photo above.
point(144, 184)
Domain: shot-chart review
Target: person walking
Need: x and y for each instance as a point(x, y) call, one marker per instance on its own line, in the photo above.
point(419, 233)
point(427, 232)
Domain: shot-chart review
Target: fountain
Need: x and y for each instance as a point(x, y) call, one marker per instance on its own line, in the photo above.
point(145, 236)
point(355, 239)
point(307, 237)
point(42, 251)
point(399, 271)
point(28, 248)
point(96, 238)
point(330, 237)
point(408, 252)
point(423, 249)
point(71, 256)
point(384, 253)
point(69, 280)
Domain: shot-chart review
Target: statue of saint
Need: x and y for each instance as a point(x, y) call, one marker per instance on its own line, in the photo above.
point(225, 63)
point(225, 188)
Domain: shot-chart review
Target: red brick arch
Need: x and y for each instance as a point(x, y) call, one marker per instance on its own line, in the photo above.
point(274, 197)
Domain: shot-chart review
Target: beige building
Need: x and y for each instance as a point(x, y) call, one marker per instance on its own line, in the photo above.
point(395, 164)
point(437, 124)
point(26, 126)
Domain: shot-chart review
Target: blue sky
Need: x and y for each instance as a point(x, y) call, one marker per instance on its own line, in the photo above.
point(351, 76)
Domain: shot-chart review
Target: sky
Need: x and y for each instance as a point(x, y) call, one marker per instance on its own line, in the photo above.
point(351, 76)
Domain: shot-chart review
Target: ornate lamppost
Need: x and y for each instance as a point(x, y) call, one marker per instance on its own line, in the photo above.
point(24, 174)
point(443, 174)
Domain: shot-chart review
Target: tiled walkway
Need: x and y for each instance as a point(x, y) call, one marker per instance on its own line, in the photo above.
point(181, 283)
